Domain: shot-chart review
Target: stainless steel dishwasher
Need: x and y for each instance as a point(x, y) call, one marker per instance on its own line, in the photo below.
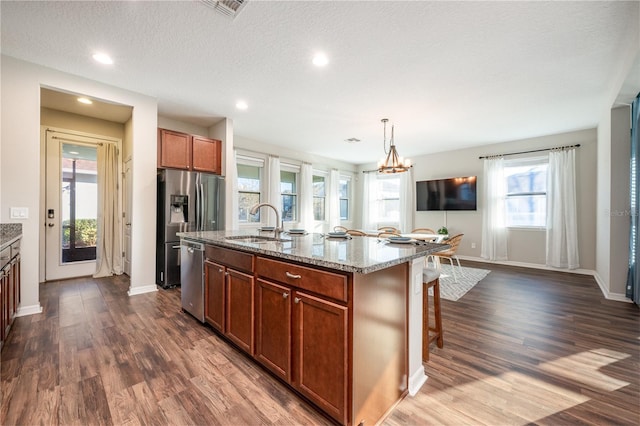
point(192, 278)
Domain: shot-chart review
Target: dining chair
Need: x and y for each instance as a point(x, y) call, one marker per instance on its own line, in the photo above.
point(450, 253)
point(387, 234)
point(356, 232)
point(389, 229)
point(423, 231)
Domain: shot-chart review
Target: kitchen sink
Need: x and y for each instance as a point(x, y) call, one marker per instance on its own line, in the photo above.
point(255, 239)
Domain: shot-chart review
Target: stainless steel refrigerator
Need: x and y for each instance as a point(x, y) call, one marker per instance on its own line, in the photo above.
point(186, 201)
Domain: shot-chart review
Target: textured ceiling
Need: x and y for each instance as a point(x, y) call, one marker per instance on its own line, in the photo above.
point(448, 74)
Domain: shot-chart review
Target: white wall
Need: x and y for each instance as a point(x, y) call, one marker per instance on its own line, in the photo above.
point(525, 246)
point(20, 165)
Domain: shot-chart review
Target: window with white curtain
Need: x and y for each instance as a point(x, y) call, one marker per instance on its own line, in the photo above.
point(250, 188)
point(319, 197)
point(344, 189)
point(385, 204)
point(289, 175)
point(526, 197)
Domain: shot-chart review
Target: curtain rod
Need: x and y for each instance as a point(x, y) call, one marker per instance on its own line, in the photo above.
point(527, 152)
point(107, 139)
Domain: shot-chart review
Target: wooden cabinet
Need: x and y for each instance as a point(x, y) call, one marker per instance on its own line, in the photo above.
point(214, 276)
point(229, 294)
point(239, 309)
point(206, 155)
point(177, 150)
point(273, 327)
point(303, 338)
point(321, 353)
point(9, 288)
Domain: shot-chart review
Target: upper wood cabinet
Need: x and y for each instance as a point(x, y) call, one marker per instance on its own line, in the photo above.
point(206, 155)
point(178, 150)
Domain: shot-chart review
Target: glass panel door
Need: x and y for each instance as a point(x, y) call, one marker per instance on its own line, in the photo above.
point(79, 202)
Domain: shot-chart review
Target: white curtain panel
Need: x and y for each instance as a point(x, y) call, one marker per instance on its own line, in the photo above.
point(274, 191)
point(334, 199)
point(109, 238)
point(562, 228)
point(232, 178)
point(368, 182)
point(306, 196)
point(407, 204)
point(494, 230)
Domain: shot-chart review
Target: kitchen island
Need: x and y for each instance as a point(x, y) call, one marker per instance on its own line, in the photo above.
point(337, 319)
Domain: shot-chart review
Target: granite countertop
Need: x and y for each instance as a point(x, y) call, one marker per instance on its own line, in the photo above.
point(9, 233)
point(357, 254)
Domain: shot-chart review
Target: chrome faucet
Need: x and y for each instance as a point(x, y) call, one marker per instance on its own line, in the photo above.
point(277, 230)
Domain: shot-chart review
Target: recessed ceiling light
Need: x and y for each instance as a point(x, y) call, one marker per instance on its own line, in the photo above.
point(85, 101)
point(103, 58)
point(320, 60)
point(242, 105)
point(74, 153)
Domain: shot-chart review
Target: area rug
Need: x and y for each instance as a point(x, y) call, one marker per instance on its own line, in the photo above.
point(452, 290)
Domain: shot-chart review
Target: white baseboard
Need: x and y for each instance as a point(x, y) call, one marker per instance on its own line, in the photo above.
point(133, 291)
point(619, 297)
point(416, 381)
point(29, 310)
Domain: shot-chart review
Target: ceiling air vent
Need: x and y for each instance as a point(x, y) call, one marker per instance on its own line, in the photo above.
point(226, 7)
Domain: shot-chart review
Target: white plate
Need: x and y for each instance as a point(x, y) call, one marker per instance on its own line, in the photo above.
point(400, 240)
point(267, 228)
point(338, 235)
point(297, 231)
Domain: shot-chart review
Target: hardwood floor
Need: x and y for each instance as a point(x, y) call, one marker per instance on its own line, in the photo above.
point(522, 347)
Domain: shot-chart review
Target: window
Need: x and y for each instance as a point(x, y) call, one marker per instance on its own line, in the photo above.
point(249, 188)
point(288, 191)
point(319, 197)
point(526, 200)
point(344, 191)
point(386, 209)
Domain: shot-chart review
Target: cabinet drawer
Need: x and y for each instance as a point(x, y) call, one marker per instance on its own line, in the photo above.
point(321, 282)
point(233, 258)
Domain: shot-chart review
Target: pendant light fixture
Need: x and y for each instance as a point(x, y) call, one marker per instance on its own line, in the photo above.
point(393, 163)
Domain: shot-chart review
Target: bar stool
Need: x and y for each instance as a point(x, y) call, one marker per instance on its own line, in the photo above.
point(431, 279)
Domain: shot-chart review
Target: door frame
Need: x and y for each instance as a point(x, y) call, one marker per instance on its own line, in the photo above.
point(43, 184)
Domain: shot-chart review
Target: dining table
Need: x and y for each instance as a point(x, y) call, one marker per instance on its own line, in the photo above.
point(436, 238)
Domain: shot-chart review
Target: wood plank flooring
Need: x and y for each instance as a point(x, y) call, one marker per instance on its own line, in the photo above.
point(522, 347)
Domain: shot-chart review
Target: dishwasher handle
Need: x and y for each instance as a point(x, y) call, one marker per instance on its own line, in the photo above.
point(192, 246)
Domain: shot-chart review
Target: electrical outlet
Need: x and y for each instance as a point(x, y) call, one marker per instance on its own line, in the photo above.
point(473, 245)
point(19, 213)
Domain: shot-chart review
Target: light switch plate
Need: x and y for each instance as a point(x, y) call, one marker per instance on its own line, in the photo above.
point(19, 212)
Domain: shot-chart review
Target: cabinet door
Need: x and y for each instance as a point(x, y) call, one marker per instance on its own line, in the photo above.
point(321, 353)
point(175, 150)
point(239, 318)
point(4, 279)
point(273, 327)
point(206, 155)
point(214, 275)
point(11, 293)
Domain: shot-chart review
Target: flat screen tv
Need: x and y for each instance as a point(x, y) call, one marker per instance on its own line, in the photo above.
point(457, 193)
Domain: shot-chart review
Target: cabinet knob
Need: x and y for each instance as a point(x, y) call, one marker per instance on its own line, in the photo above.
point(285, 295)
point(226, 273)
point(294, 276)
point(296, 299)
point(220, 270)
